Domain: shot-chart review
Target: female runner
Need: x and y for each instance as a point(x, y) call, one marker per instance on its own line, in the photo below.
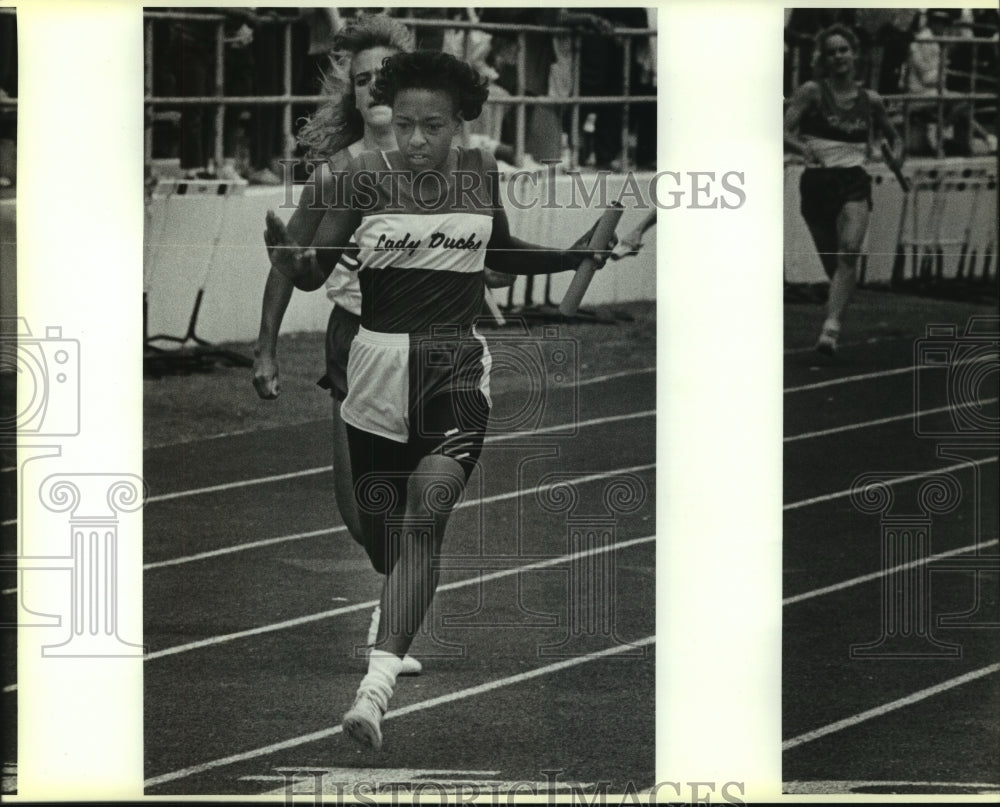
point(830, 122)
point(425, 219)
point(346, 124)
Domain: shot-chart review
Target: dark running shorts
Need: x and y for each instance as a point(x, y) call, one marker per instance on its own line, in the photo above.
point(825, 190)
point(341, 329)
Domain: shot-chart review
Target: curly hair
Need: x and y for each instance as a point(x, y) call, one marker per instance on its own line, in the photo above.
point(336, 123)
point(837, 29)
point(433, 70)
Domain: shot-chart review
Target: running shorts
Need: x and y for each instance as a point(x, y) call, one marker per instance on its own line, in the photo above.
point(341, 329)
point(429, 392)
point(824, 191)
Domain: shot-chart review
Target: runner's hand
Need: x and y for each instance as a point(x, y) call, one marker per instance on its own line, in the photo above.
point(265, 377)
point(599, 256)
point(285, 255)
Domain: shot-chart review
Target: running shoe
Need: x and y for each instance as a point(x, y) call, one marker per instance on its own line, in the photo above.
point(827, 342)
point(363, 721)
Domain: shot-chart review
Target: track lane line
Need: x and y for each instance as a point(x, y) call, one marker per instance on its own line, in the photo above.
point(431, 703)
point(238, 432)
point(368, 604)
point(892, 706)
point(899, 481)
point(884, 374)
point(496, 438)
point(866, 578)
point(497, 497)
point(883, 421)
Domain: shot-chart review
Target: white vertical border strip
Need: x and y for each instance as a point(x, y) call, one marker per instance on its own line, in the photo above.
point(80, 221)
point(720, 313)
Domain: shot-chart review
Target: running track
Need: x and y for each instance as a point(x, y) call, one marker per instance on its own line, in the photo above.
point(254, 599)
point(882, 724)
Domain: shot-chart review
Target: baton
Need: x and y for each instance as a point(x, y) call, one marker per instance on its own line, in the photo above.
point(585, 272)
point(904, 183)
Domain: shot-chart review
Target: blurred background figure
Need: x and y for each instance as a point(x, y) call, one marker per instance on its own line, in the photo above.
point(8, 89)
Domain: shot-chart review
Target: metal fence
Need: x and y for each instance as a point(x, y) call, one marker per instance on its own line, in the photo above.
point(218, 101)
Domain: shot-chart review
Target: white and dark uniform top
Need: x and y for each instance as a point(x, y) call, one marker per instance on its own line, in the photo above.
point(418, 373)
point(839, 136)
point(342, 287)
point(343, 290)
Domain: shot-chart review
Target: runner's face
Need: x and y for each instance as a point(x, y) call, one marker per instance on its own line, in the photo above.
point(425, 124)
point(839, 55)
point(365, 67)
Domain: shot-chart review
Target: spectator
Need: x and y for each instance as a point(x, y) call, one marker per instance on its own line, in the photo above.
point(543, 130)
point(926, 68)
point(191, 49)
point(601, 73)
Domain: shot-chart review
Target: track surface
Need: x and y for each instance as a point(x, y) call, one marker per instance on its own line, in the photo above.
point(922, 720)
point(255, 598)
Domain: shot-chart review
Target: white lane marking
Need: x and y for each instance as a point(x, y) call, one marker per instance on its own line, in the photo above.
point(885, 373)
point(10, 688)
point(9, 522)
point(431, 703)
point(892, 706)
point(363, 606)
point(611, 376)
point(237, 432)
point(866, 578)
point(898, 481)
point(496, 438)
point(496, 497)
point(883, 421)
point(850, 379)
point(828, 787)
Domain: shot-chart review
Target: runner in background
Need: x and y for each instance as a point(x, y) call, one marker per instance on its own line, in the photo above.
point(830, 122)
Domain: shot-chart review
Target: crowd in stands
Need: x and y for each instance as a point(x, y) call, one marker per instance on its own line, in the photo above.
point(255, 135)
point(899, 55)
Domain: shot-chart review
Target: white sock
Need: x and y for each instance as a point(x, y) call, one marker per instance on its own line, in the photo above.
point(383, 667)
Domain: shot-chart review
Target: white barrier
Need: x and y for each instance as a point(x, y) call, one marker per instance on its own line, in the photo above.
point(183, 232)
point(961, 209)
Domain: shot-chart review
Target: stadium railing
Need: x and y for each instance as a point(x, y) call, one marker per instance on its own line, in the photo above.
point(519, 101)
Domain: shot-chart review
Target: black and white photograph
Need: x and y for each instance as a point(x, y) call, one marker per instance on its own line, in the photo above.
point(402, 403)
point(399, 537)
point(891, 608)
